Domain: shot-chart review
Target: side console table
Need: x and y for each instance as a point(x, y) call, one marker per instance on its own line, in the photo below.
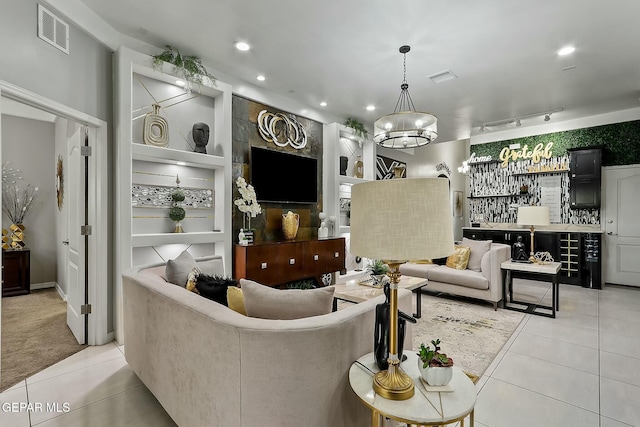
point(546, 271)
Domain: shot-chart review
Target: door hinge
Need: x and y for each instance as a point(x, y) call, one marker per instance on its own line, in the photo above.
point(85, 150)
point(85, 309)
point(85, 230)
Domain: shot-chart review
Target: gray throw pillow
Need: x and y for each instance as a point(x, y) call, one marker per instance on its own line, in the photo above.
point(265, 302)
point(478, 249)
point(177, 270)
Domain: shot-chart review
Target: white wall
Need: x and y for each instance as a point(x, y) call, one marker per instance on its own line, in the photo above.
point(29, 146)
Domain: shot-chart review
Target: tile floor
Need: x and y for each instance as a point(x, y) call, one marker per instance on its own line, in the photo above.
point(580, 369)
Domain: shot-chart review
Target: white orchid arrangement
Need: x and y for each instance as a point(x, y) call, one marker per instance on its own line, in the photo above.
point(17, 202)
point(247, 203)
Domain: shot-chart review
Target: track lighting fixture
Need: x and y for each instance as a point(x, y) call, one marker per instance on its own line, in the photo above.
point(517, 120)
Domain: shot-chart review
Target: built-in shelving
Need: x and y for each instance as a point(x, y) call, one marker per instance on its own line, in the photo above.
point(540, 172)
point(498, 195)
point(144, 232)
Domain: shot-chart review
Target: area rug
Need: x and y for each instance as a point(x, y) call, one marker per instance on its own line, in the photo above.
point(470, 331)
point(35, 335)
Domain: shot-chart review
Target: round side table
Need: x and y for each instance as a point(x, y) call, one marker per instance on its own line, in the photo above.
point(425, 408)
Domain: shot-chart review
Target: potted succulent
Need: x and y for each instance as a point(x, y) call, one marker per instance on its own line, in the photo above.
point(435, 367)
point(378, 270)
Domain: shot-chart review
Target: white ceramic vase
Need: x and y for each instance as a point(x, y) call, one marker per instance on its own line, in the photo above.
point(437, 375)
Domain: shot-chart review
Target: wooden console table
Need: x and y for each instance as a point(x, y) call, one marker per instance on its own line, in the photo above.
point(16, 278)
point(276, 263)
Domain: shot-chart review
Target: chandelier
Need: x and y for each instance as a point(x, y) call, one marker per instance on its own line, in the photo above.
point(406, 127)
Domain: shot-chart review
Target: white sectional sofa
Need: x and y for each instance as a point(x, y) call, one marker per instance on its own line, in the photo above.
point(210, 366)
point(485, 284)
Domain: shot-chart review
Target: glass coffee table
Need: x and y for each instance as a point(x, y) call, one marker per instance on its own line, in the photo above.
point(353, 291)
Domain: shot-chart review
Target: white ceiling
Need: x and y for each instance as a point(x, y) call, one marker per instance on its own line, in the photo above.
point(346, 53)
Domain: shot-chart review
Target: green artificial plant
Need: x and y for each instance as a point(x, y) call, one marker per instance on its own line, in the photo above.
point(188, 66)
point(358, 128)
point(433, 357)
point(377, 267)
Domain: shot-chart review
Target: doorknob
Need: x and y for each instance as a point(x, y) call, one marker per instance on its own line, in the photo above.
point(65, 242)
point(610, 221)
point(610, 233)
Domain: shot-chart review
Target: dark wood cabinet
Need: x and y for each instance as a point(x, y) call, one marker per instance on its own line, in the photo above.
point(580, 257)
point(16, 278)
point(585, 163)
point(277, 263)
point(584, 177)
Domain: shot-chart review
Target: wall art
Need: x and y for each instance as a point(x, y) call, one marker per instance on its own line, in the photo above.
point(386, 167)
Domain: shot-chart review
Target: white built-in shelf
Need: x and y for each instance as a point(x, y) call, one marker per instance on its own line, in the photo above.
point(150, 153)
point(350, 180)
point(153, 239)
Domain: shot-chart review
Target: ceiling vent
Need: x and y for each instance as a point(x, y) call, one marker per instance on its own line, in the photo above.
point(443, 76)
point(53, 30)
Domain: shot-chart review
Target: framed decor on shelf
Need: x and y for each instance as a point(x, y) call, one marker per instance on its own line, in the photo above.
point(387, 168)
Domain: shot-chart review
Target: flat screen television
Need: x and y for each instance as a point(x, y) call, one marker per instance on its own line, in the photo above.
point(282, 177)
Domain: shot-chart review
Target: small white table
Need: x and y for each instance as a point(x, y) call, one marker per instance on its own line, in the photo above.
point(545, 270)
point(425, 408)
point(353, 291)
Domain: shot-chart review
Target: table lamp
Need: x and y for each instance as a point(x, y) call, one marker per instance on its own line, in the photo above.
point(395, 221)
point(532, 216)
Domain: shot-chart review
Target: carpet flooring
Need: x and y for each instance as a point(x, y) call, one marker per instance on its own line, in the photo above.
point(35, 335)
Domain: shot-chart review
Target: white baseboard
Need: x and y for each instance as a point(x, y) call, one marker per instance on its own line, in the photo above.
point(43, 285)
point(61, 292)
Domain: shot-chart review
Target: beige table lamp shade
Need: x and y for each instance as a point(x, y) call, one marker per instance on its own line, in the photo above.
point(533, 215)
point(401, 219)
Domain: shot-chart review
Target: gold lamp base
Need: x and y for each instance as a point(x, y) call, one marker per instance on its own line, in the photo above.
point(393, 384)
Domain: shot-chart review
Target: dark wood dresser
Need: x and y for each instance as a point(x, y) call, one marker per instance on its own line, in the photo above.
point(15, 272)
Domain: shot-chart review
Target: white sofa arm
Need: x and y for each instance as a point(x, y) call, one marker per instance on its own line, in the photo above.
point(490, 267)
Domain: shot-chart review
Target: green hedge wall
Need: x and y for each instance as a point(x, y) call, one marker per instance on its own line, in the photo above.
point(621, 142)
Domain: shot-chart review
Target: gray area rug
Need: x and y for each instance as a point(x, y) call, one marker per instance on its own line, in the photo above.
point(471, 332)
point(35, 335)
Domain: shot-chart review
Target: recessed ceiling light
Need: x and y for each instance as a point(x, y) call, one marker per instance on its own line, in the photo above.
point(567, 50)
point(323, 104)
point(180, 82)
point(180, 163)
point(371, 107)
point(261, 78)
point(242, 46)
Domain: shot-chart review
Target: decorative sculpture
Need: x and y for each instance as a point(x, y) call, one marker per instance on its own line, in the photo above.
point(518, 251)
point(200, 134)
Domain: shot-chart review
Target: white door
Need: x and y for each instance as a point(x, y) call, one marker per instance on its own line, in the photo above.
point(75, 196)
point(622, 228)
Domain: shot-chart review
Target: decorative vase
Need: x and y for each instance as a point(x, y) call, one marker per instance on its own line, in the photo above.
point(344, 161)
point(290, 223)
point(435, 375)
point(358, 168)
point(155, 130)
point(178, 227)
point(14, 237)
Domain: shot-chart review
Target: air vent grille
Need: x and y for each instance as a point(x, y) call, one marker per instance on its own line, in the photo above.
point(443, 76)
point(52, 29)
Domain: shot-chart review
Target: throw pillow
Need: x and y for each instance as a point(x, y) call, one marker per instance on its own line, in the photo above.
point(192, 279)
point(460, 258)
point(235, 299)
point(268, 303)
point(177, 270)
point(214, 287)
point(478, 249)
